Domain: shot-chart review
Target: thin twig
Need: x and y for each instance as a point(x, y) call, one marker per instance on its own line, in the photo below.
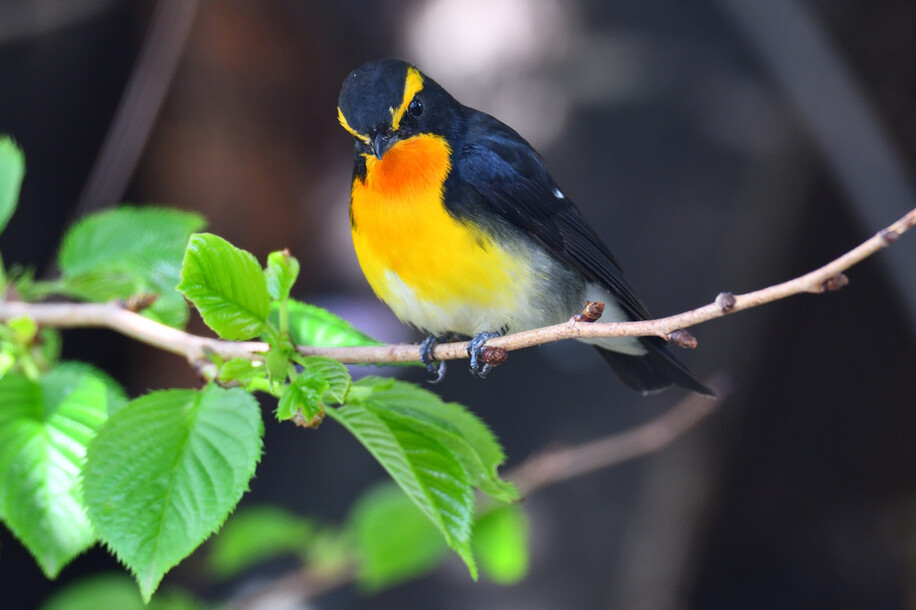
point(133, 325)
point(195, 348)
point(538, 472)
point(557, 465)
point(291, 589)
point(143, 96)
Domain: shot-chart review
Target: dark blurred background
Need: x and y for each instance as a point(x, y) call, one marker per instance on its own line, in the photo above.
point(716, 144)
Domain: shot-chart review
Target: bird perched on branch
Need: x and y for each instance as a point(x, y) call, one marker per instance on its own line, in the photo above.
point(461, 231)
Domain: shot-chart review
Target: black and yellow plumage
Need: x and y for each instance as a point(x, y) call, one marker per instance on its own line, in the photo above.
point(461, 230)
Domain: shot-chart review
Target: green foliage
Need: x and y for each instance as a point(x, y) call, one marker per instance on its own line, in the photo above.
point(501, 544)
point(126, 251)
point(428, 472)
point(281, 273)
point(332, 373)
point(255, 534)
point(27, 349)
point(451, 424)
point(301, 400)
point(226, 285)
point(317, 327)
point(394, 540)
point(154, 477)
point(12, 171)
point(321, 381)
point(240, 371)
point(115, 592)
point(45, 428)
point(71, 372)
point(165, 471)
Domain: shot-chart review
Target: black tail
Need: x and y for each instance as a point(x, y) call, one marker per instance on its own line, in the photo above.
point(654, 371)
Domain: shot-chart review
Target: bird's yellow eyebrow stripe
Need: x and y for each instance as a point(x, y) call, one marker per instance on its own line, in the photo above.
point(413, 84)
point(345, 125)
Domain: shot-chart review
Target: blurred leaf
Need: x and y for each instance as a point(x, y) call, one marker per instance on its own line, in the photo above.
point(128, 250)
point(45, 427)
point(101, 285)
point(165, 472)
point(134, 238)
point(501, 544)
point(12, 171)
point(226, 285)
point(277, 363)
point(114, 592)
point(23, 330)
point(71, 371)
point(395, 541)
point(255, 534)
point(428, 472)
point(169, 308)
point(281, 272)
point(317, 327)
point(241, 371)
point(452, 425)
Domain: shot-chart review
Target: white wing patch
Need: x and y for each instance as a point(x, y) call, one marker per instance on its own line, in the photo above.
point(558, 194)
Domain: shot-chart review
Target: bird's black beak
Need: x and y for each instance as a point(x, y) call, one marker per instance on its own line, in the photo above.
point(382, 141)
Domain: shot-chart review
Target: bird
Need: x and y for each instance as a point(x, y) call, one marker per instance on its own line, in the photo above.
point(460, 229)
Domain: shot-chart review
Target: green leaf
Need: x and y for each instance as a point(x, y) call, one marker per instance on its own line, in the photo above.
point(336, 375)
point(132, 238)
point(301, 400)
point(281, 273)
point(320, 382)
point(395, 541)
point(49, 347)
point(277, 364)
point(129, 250)
point(255, 534)
point(71, 371)
point(45, 427)
point(501, 544)
point(451, 424)
point(317, 327)
point(12, 171)
point(428, 472)
point(23, 330)
point(241, 371)
point(166, 470)
point(226, 285)
point(114, 592)
point(101, 285)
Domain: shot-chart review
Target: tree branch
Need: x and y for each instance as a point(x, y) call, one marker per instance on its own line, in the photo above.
point(195, 348)
point(554, 466)
point(539, 471)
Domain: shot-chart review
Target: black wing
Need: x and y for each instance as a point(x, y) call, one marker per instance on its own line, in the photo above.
point(507, 174)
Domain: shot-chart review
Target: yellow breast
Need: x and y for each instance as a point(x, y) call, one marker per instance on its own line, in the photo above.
point(434, 271)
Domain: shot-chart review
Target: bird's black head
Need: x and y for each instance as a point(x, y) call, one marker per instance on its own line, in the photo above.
point(389, 100)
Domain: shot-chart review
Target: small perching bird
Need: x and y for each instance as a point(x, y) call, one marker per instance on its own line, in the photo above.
point(461, 230)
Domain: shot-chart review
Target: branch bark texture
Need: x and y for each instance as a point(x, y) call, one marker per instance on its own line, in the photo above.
point(196, 348)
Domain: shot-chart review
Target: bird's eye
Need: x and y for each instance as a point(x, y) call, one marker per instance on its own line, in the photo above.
point(415, 109)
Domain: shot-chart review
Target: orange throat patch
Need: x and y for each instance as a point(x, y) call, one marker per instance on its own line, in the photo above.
point(434, 271)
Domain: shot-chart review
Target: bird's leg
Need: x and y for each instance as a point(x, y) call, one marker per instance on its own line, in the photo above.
point(475, 346)
point(426, 356)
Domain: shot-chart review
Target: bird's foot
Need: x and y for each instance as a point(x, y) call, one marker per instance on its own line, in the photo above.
point(475, 347)
point(437, 368)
